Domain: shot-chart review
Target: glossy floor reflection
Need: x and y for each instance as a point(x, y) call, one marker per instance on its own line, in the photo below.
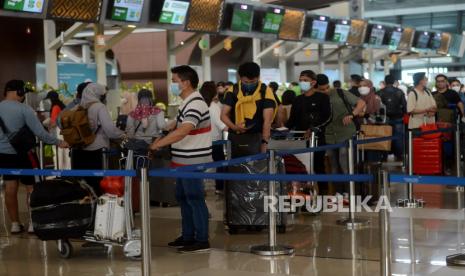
point(421, 239)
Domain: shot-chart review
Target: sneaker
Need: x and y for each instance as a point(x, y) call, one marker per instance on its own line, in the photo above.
point(16, 228)
point(179, 242)
point(30, 228)
point(196, 247)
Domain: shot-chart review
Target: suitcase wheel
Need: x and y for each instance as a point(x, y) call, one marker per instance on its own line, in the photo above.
point(66, 250)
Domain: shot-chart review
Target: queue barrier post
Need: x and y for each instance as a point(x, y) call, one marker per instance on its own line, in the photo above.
point(458, 166)
point(145, 221)
point(385, 228)
point(272, 249)
point(351, 222)
point(411, 202)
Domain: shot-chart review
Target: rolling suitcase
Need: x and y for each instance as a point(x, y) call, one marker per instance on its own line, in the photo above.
point(109, 218)
point(427, 156)
point(62, 209)
point(162, 190)
point(244, 200)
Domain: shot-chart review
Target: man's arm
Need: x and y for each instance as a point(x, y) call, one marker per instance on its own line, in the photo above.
point(225, 117)
point(174, 136)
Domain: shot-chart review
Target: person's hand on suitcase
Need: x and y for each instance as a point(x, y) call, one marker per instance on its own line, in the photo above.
point(154, 146)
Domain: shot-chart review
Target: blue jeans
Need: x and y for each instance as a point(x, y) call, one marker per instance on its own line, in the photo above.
point(398, 144)
point(194, 212)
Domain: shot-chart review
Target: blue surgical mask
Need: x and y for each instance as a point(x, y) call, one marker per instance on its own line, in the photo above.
point(305, 86)
point(175, 90)
point(249, 87)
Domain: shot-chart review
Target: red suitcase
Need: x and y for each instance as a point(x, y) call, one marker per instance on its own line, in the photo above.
point(427, 156)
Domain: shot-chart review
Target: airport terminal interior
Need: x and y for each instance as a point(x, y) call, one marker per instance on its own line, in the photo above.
point(232, 137)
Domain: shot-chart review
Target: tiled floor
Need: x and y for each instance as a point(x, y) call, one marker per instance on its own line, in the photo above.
point(322, 247)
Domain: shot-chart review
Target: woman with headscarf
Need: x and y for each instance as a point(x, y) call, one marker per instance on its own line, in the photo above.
point(146, 122)
point(373, 101)
point(91, 157)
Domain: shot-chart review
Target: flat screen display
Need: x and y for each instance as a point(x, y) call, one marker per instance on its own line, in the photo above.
point(319, 28)
point(395, 38)
point(174, 12)
point(341, 32)
point(423, 40)
point(33, 6)
point(377, 35)
point(127, 10)
point(272, 20)
point(436, 41)
point(242, 18)
point(406, 39)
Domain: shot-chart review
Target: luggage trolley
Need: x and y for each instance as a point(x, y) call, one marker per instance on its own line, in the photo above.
point(131, 240)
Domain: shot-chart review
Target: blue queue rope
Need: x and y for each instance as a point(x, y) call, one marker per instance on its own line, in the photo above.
point(307, 150)
point(220, 142)
point(68, 173)
point(262, 177)
point(441, 130)
point(433, 180)
point(219, 164)
point(376, 140)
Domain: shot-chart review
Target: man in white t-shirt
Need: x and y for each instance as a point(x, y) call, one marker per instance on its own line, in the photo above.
point(191, 144)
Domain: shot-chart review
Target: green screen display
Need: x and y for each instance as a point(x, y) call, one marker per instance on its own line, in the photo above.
point(34, 6)
point(273, 21)
point(127, 10)
point(174, 12)
point(341, 33)
point(395, 38)
point(242, 18)
point(319, 28)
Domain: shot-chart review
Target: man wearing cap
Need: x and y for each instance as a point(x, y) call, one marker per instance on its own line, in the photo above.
point(311, 111)
point(355, 82)
point(15, 115)
point(420, 103)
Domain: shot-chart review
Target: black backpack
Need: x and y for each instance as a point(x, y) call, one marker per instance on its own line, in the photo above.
point(392, 99)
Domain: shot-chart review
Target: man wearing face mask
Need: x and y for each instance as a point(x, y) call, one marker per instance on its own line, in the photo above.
point(445, 97)
point(191, 143)
point(15, 116)
point(355, 81)
point(248, 111)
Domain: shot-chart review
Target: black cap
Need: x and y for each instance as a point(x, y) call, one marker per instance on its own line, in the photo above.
point(356, 78)
point(322, 79)
point(52, 95)
point(15, 85)
point(417, 77)
point(389, 79)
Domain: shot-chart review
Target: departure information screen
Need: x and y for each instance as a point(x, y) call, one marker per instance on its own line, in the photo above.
point(127, 10)
point(341, 33)
point(34, 6)
point(396, 36)
point(242, 18)
point(174, 12)
point(436, 41)
point(319, 28)
point(423, 40)
point(377, 35)
point(272, 21)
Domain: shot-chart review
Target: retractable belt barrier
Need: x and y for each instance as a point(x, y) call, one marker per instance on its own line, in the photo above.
point(68, 173)
point(433, 180)
point(440, 130)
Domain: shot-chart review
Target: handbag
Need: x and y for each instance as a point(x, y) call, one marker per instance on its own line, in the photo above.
point(376, 131)
point(245, 144)
point(23, 141)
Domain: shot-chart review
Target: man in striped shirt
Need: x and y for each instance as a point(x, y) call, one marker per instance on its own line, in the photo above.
point(190, 144)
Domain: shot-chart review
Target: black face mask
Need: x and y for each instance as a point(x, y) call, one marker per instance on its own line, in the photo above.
point(249, 88)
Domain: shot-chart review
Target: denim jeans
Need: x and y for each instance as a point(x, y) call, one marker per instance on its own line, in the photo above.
point(194, 212)
point(398, 144)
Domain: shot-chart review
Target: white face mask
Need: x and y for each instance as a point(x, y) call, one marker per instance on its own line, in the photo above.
point(363, 90)
point(456, 88)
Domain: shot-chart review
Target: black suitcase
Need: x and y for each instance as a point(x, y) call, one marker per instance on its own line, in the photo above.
point(244, 200)
point(62, 209)
point(162, 190)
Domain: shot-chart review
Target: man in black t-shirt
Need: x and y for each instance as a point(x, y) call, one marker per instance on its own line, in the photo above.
point(248, 111)
point(311, 111)
point(445, 97)
point(355, 84)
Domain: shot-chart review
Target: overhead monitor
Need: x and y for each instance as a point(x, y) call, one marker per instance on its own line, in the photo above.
point(292, 25)
point(395, 37)
point(407, 39)
point(422, 40)
point(457, 45)
point(319, 28)
point(436, 40)
point(32, 6)
point(272, 20)
point(126, 10)
point(358, 29)
point(341, 31)
point(205, 16)
point(377, 34)
point(170, 12)
point(242, 18)
point(76, 10)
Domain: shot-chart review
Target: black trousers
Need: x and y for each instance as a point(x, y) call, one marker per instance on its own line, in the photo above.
point(88, 160)
point(218, 155)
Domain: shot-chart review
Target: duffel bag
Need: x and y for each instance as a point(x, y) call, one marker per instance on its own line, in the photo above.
point(62, 209)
